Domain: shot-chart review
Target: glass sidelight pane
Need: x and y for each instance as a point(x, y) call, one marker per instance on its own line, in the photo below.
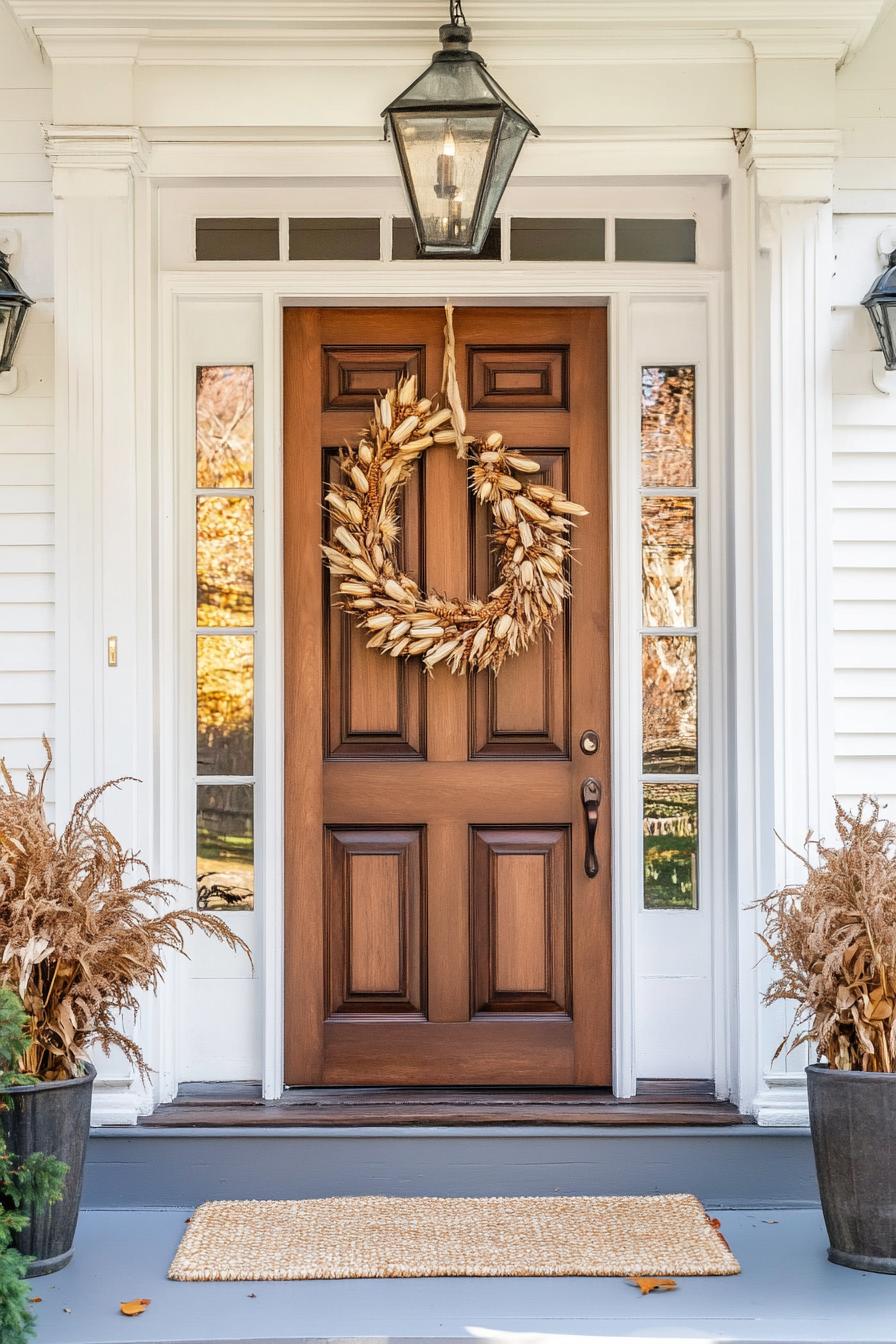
point(224, 559)
point(669, 679)
point(225, 857)
point(670, 846)
point(667, 560)
point(225, 426)
point(224, 704)
point(667, 425)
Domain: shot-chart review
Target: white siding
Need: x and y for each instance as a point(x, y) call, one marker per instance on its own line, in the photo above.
point(864, 465)
point(26, 417)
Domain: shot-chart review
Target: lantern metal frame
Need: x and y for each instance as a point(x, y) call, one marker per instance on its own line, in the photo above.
point(455, 37)
point(880, 305)
point(16, 302)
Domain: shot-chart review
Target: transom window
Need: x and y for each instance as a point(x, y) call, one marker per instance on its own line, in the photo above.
point(519, 238)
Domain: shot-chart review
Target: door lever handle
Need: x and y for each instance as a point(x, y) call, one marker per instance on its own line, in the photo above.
point(591, 794)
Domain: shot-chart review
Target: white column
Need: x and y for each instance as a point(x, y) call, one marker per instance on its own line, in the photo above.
point(104, 712)
point(789, 177)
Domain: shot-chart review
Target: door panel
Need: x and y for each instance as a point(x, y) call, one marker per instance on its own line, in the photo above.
point(373, 881)
point(440, 927)
point(521, 925)
point(375, 707)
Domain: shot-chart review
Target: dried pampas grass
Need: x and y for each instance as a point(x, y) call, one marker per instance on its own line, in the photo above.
point(80, 927)
point(832, 939)
point(530, 533)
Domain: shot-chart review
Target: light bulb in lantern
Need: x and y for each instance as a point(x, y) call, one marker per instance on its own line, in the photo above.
point(455, 212)
point(446, 184)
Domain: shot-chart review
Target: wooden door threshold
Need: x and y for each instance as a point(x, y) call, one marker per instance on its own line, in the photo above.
point(216, 1105)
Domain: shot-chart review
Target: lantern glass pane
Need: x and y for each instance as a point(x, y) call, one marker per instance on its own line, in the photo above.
point(883, 315)
point(6, 330)
point(446, 158)
point(511, 134)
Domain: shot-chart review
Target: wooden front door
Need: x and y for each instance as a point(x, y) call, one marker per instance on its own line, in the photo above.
point(441, 928)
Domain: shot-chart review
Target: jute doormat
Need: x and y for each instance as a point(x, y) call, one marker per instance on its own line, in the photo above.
point(382, 1238)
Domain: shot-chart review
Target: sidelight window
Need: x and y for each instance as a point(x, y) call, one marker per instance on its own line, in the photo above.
point(225, 636)
point(669, 637)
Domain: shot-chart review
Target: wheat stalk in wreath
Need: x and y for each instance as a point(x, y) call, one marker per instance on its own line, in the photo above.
point(530, 534)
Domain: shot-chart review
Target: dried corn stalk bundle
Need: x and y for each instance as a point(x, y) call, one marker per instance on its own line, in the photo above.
point(530, 532)
point(832, 939)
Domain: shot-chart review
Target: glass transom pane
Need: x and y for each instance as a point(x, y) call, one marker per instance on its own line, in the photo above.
point(237, 240)
point(656, 240)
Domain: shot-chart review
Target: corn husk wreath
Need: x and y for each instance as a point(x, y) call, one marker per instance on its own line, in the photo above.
point(530, 534)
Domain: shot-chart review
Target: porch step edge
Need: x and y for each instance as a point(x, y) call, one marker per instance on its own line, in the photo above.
point(738, 1166)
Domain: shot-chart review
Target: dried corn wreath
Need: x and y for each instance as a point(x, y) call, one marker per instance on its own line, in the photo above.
point(530, 535)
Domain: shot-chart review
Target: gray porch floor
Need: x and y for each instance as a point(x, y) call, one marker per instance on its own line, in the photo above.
point(787, 1293)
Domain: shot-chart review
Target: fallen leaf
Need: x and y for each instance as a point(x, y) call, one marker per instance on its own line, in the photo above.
point(653, 1285)
point(251, 1294)
point(35, 1299)
point(134, 1308)
point(67, 1310)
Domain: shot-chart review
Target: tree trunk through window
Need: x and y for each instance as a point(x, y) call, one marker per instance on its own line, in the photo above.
point(440, 926)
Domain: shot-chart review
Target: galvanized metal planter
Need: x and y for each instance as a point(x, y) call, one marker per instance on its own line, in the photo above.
point(51, 1118)
point(853, 1120)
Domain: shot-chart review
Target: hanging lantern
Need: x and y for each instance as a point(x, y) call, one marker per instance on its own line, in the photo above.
point(880, 303)
point(14, 304)
point(457, 136)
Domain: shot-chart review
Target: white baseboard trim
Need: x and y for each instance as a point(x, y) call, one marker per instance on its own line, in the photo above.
point(117, 1103)
point(782, 1102)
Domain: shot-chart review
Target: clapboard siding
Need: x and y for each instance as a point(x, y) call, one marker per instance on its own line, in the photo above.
point(864, 443)
point(27, 681)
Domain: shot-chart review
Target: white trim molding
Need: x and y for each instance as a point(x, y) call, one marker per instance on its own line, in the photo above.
point(790, 177)
point(98, 592)
point(314, 29)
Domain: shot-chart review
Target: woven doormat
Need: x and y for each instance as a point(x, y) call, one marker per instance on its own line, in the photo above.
point(382, 1238)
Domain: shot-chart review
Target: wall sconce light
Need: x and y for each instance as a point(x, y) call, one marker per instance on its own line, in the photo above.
point(14, 304)
point(880, 305)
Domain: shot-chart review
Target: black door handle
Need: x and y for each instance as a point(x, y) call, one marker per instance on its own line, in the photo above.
point(591, 792)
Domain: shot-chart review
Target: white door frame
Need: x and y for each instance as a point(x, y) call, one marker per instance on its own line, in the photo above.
point(621, 288)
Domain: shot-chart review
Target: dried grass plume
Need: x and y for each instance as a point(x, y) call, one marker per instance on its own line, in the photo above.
point(82, 927)
point(832, 939)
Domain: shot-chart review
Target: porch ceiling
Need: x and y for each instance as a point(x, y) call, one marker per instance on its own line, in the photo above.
point(593, 30)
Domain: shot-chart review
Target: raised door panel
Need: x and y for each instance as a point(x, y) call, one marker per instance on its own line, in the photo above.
point(374, 927)
point(521, 919)
point(354, 374)
point(375, 706)
point(524, 712)
point(518, 377)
